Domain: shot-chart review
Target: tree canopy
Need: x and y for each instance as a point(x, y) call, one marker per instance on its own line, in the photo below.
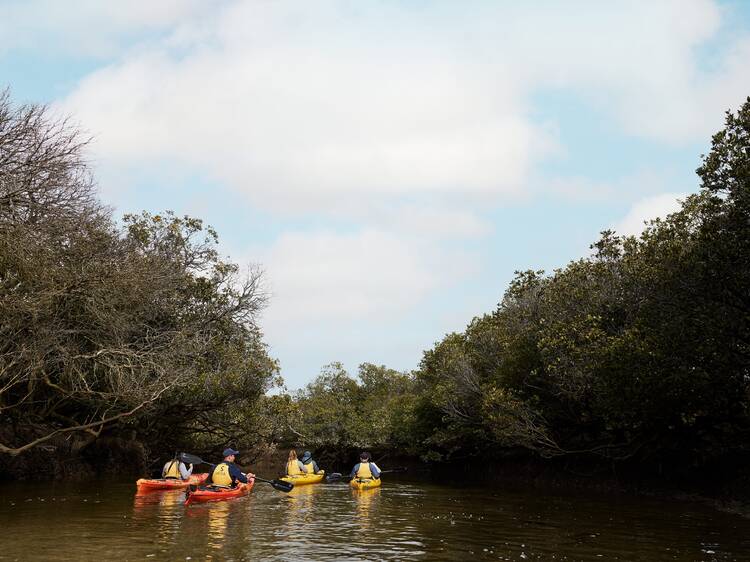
point(108, 325)
point(639, 352)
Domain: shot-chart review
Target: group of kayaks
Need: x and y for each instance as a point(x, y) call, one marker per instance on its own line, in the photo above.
point(196, 492)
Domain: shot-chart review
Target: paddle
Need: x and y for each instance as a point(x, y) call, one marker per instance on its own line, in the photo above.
point(336, 476)
point(279, 485)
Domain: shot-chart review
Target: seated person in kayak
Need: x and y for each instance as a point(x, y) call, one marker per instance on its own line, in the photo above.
point(226, 473)
point(365, 469)
point(293, 466)
point(176, 470)
point(308, 464)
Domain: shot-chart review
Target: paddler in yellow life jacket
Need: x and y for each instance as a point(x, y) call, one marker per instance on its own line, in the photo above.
point(308, 464)
point(226, 473)
point(293, 466)
point(176, 470)
point(365, 469)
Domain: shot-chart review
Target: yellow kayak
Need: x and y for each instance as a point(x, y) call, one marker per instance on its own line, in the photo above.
point(305, 478)
point(365, 483)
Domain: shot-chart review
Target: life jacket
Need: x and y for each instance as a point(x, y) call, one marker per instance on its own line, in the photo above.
point(220, 475)
point(173, 471)
point(292, 468)
point(364, 471)
point(309, 468)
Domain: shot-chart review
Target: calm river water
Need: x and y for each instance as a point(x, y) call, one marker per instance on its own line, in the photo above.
point(400, 521)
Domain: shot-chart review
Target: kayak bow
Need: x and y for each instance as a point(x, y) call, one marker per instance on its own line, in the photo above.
point(299, 480)
point(146, 484)
point(213, 493)
point(365, 483)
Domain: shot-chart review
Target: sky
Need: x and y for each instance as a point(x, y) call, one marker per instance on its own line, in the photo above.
point(388, 164)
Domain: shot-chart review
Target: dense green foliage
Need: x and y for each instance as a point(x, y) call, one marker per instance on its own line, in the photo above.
point(337, 412)
point(640, 351)
point(134, 328)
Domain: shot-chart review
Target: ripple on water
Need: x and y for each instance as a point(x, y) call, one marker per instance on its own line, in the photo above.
point(333, 522)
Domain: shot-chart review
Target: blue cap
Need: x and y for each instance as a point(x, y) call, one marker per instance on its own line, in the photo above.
point(306, 456)
point(228, 452)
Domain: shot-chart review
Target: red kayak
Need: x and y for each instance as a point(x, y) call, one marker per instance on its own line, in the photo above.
point(213, 493)
point(145, 484)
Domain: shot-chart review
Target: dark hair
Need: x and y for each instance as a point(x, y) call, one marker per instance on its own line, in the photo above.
point(364, 455)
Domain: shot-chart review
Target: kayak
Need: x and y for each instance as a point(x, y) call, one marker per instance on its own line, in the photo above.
point(213, 494)
point(145, 484)
point(365, 483)
point(301, 479)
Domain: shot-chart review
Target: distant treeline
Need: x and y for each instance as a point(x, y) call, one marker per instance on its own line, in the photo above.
point(639, 352)
point(135, 335)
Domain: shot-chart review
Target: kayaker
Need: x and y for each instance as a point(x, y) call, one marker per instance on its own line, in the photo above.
point(176, 469)
point(226, 473)
point(308, 464)
point(293, 466)
point(365, 469)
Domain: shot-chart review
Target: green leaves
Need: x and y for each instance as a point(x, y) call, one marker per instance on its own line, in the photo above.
point(640, 351)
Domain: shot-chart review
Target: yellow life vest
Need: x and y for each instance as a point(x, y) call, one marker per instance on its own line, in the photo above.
point(309, 469)
point(364, 471)
point(221, 475)
point(292, 468)
point(174, 470)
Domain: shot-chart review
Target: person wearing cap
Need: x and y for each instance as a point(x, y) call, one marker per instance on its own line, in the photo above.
point(176, 470)
point(309, 466)
point(226, 473)
point(365, 469)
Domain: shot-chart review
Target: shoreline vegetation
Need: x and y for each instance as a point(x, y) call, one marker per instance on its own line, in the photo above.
point(123, 340)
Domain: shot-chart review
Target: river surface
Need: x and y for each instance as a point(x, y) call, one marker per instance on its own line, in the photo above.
point(399, 521)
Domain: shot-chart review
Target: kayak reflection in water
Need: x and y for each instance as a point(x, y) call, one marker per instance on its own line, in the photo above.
point(226, 473)
point(365, 469)
point(176, 470)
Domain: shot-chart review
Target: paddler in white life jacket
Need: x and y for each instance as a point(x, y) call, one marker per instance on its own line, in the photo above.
point(365, 469)
point(226, 473)
point(294, 467)
point(308, 464)
point(176, 470)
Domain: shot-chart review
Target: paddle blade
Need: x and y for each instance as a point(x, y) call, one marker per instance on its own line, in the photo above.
point(333, 477)
point(187, 458)
point(282, 486)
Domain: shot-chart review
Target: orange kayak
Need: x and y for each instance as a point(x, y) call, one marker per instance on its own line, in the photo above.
point(145, 484)
point(212, 494)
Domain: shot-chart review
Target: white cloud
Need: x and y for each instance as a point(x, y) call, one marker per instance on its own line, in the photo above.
point(351, 297)
point(322, 106)
point(304, 130)
point(90, 28)
point(648, 209)
point(368, 273)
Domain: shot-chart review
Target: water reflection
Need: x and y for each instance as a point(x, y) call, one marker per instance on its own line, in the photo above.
point(165, 506)
point(366, 507)
point(301, 502)
point(333, 522)
point(218, 519)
